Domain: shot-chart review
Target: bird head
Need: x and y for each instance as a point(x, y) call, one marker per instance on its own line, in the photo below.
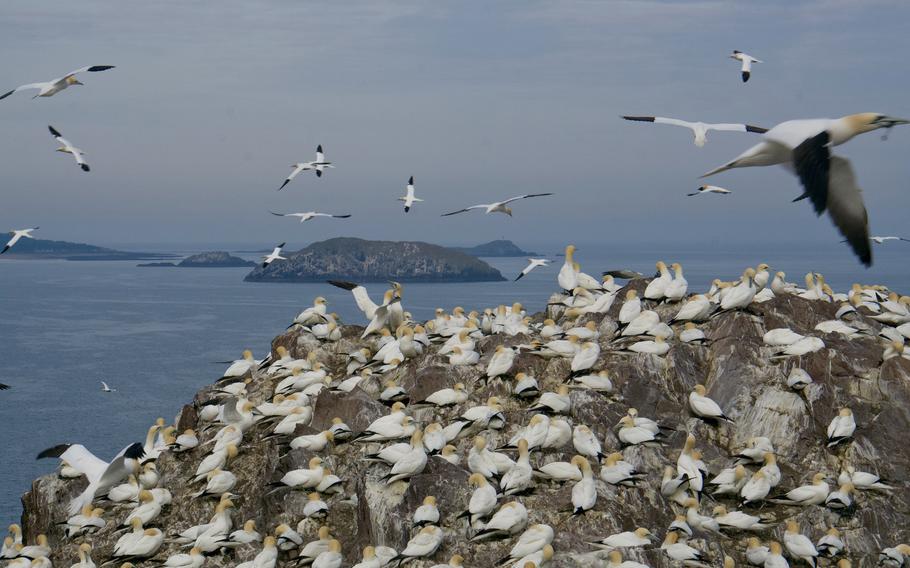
point(73, 81)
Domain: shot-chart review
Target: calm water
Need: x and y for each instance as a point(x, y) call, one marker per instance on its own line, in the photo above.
point(153, 333)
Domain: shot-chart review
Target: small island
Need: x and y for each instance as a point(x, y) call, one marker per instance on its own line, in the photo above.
point(218, 259)
point(32, 249)
point(376, 261)
point(499, 248)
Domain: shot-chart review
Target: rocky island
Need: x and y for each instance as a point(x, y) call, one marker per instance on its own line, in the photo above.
point(47, 249)
point(376, 261)
point(633, 406)
point(498, 248)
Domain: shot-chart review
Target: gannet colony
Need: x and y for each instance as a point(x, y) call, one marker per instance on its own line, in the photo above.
point(756, 424)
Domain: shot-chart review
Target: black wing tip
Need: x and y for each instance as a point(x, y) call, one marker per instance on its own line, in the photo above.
point(640, 118)
point(319, 148)
point(53, 130)
point(3, 96)
point(281, 245)
point(411, 180)
point(134, 451)
point(53, 452)
point(287, 181)
point(343, 284)
point(85, 168)
point(745, 76)
point(95, 68)
point(319, 173)
point(406, 209)
point(4, 387)
point(342, 216)
point(519, 277)
point(756, 129)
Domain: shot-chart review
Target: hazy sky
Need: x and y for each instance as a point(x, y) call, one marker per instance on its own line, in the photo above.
point(192, 133)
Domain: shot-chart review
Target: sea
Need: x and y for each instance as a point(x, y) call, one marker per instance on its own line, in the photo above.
point(156, 334)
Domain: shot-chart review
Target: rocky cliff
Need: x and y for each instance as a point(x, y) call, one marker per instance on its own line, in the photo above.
point(216, 259)
point(736, 367)
point(376, 261)
point(498, 248)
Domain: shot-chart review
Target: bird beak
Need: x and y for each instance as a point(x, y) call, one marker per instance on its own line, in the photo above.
point(890, 121)
point(78, 83)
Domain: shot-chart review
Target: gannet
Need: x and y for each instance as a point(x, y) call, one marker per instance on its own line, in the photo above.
point(643, 323)
point(51, 88)
point(411, 463)
point(741, 295)
point(756, 489)
point(615, 561)
point(599, 382)
point(533, 540)
point(501, 362)
point(699, 129)
point(584, 492)
point(799, 545)
point(709, 189)
point(804, 146)
point(747, 61)
point(409, 198)
point(616, 471)
point(246, 535)
point(679, 551)
point(273, 256)
point(497, 206)
point(585, 358)
point(519, 478)
point(559, 471)
point(100, 474)
point(266, 558)
point(535, 559)
point(215, 460)
point(557, 402)
point(147, 510)
point(656, 287)
point(831, 544)
point(194, 559)
point(841, 498)
point(756, 552)
point(704, 407)
point(630, 309)
point(737, 520)
point(628, 539)
point(85, 557)
point(314, 548)
point(67, 148)
point(330, 558)
point(88, 521)
point(532, 264)
point(894, 557)
point(687, 465)
point(40, 548)
point(319, 164)
point(678, 286)
point(657, 347)
point(140, 543)
point(774, 557)
point(881, 240)
point(423, 544)
point(841, 428)
point(306, 216)
point(315, 507)
point(510, 519)
point(861, 479)
point(567, 277)
point(18, 234)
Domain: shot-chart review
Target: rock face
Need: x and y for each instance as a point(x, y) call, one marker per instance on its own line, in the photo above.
point(376, 261)
point(498, 248)
point(214, 260)
point(735, 366)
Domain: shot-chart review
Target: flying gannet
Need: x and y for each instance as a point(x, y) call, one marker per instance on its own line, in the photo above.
point(699, 129)
point(306, 216)
point(709, 189)
point(532, 264)
point(67, 148)
point(804, 147)
point(497, 206)
point(409, 199)
point(319, 164)
point(18, 234)
point(273, 256)
point(51, 88)
point(747, 61)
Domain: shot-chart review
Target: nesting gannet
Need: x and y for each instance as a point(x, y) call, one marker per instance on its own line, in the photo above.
point(747, 61)
point(532, 264)
point(679, 551)
point(273, 256)
point(812, 494)
point(140, 543)
point(16, 235)
point(88, 521)
point(51, 88)
point(194, 559)
point(709, 189)
point(756, 552)
point(509, 520)
point(704, 407)
point(841, 498)
point(306, 216)
point(557, 402)
point(247, 535)
point(585, 358)
point(615, 561)
point(799, 545)
point(737, 520)
point(100, 474)
point(409, 198)
point(497, 206)
point(535, 559)
point(828, 180)
point(699, 129)
point(330, 558)
point(411, 463)
point(831, 544)
point(319, 165)
point(584, 492)
point(315, 507)
point(85, 557)
point(67, 148)
point(841, 428)
point(423, 544)
point(616, 471)
point(628, 539)
point(861, 479)
point(266, 558)
point(656, 287)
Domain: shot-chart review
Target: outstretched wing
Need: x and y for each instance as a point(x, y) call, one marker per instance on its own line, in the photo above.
point(847, 210)
point(466, 209)
point(90, 69)
point(23, 88)
point(730, 127)
point(77, 456)
point(526, 196)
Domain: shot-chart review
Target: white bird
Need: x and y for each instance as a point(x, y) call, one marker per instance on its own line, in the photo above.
point(699, 129)
point(705, 407)
point(656, 287)
point(101, 475)
point(194, 559)
point(67, 148)
point(510, 519)
point(841, 428)
point(831, 544)
point(306, 216)
point(267, 557)
point(774, 556)
point(51, 88)
point(812, 494)
point(18, 234)
point(567, 277)
point(105, 388)
point(804, 146)
point(330, 558)
point(519, 478)
point(140, 542)
point(584, 492)
point(497, 206)
point(880, 240)
point(679, 551)
point(747, 61)
point(409, 198)
point(423, 544)
point(799, 545)
point(709, 189)
point(319, 164)
point(532, 264)
point(273, 256)
point(628, 539)
point(586, 357)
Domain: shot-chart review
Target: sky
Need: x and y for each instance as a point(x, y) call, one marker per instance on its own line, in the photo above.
point(210, 102)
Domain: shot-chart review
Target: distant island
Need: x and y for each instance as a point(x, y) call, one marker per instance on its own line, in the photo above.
point(45, 249)
point(499, 248)
point(376, 261)
point(218, 259)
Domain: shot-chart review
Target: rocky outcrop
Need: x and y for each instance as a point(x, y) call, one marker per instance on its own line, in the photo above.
point(217, 259)
point(376, 261)
point(498, 248)
point(736, 367)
